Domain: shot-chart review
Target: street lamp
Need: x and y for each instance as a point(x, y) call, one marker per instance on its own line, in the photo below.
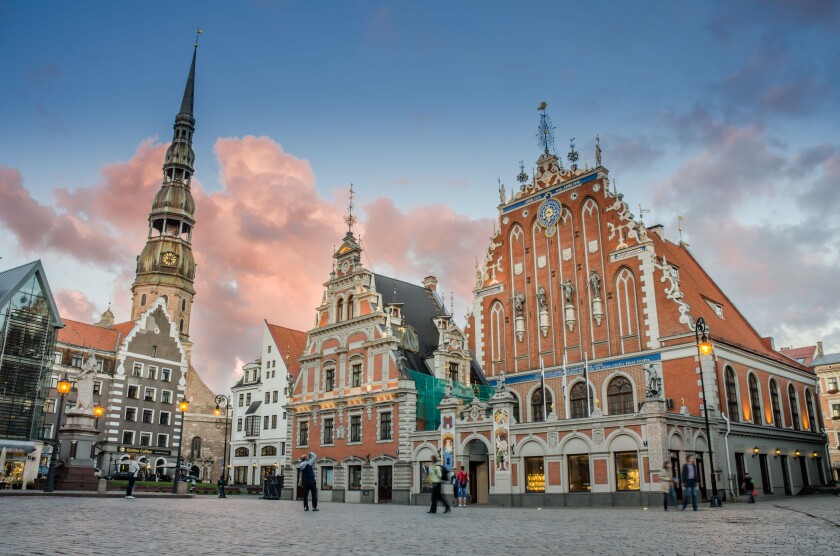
point(704, 347)
point(183, 405)
point(218, 411)
point(63, 387)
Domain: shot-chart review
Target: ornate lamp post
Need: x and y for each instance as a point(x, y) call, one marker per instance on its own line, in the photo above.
point(63, 387)
point(218, 411)
point(704, 347)
point(183, 405)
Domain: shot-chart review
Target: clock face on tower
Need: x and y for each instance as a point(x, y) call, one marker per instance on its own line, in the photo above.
point(169, 259)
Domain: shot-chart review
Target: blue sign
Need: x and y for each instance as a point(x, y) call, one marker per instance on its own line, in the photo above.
point(577, 369)
point(549, 192)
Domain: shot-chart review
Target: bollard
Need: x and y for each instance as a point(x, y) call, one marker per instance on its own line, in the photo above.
point(102, 487)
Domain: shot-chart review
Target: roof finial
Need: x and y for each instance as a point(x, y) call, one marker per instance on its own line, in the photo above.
point(451, 303)
point(680, 220)
point(395, 291)
point(545, 131)
point(642, 212)
point(198, 31)
point(350, 219)
point(597, 150)
point(522, 176)
point(573, 154)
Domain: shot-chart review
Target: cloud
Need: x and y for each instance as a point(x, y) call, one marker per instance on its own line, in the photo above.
point(74, 305)
point(629, 153)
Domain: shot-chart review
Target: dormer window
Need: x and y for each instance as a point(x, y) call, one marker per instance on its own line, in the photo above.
point(716, 307)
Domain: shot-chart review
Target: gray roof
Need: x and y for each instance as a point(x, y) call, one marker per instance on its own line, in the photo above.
point(15, 278)
point(826, 359)
point(253, 407)
point(420, 306)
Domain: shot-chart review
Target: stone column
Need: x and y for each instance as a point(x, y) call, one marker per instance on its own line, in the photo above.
point(654, 412)
point(501, 492)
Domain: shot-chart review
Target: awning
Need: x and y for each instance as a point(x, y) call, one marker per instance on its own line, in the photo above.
point(21, 446)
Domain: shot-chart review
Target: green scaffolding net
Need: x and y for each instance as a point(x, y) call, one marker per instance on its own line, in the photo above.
point(430, 392)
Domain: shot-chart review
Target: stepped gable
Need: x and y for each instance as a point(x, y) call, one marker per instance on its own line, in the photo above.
point(290, 343)
point(699, 289)
point(89, 335)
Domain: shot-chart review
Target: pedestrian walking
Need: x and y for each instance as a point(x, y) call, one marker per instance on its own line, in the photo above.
point(689, 481)
point(133, 471)
point(436, 474)
point(666, 482)
point(462, 480)
point(307, 476)
point(749, 486)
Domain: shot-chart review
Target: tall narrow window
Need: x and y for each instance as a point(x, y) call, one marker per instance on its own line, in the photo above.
point(497, 332)
point(329, 380)
point(777, 406)
point(453, 372)
point(794, 407)
point(628, 315)
point(731, 395)
point(328, 431)
point(620, 396)
point(537, 404)
point(577, 401)
point(356, 428)
point(755, 401)
point(385, 426)
point(809, 406)
point(357, 375)
point(350, 311)
point(195, 448)
point(339, 310)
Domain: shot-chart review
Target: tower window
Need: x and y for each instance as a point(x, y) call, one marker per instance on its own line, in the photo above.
point(143, 300)
point(181, 326)
point(183, 304)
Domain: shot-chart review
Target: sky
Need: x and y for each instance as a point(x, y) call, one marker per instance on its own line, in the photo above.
point(724, 112)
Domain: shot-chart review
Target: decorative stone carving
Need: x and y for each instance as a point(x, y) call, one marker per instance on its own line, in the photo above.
point(519, 320)
point(543, 307)
point(553, 439)
point(568, 293)
point(630, 229)
point(673, 292)
point(653, 380)
point(598, 434)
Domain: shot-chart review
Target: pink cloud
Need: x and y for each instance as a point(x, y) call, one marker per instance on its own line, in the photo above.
point(74, 305)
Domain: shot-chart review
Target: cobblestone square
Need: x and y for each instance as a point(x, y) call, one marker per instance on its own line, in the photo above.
point(249, 525)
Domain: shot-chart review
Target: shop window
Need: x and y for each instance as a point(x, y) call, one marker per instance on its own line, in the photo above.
point(534, 474)
point(240, 475)
point(579, 473)
point(326, 478)
point(627, 471)
point(620, 396)
point(354, 474)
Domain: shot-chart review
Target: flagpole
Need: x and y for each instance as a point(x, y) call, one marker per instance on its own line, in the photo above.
point(564, 377)
point(586, 382)
point(542, 385)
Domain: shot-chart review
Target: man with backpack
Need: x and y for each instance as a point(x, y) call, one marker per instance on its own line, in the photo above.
point(438, 474)
point(462, 479)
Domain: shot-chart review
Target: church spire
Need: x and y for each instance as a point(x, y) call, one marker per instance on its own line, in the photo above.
point(189, 90)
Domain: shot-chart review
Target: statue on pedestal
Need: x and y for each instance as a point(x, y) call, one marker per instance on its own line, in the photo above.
point(84, 385)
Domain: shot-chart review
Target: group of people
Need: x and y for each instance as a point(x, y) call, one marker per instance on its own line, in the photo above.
point(689, 478)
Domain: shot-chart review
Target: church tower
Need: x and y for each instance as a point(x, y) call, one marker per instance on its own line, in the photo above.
point(166, 267)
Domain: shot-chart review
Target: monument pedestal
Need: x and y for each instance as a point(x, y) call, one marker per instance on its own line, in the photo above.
point(76, 439)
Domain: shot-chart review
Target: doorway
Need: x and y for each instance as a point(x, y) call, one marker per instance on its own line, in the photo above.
point(385, 483)
point(701, 475)
point(479, 470)
point(803, 469)
point(676, 470)
point(765, 473)
point(785, 474)
point(299, 489)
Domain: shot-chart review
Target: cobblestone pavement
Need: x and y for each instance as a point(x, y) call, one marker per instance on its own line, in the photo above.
point(242, 525)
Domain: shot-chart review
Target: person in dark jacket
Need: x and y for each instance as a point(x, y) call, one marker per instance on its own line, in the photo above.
point(690, 478)
point(307, 476)
point(749, 486)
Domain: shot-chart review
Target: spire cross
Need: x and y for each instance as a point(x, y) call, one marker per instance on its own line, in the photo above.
point(198, 31)
point(350, 219)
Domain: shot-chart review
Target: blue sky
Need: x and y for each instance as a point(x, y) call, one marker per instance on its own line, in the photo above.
point(726, 111)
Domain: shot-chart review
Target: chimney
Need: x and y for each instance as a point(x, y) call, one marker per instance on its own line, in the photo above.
point(819, 348)
point(659, 229)
point(430, 283)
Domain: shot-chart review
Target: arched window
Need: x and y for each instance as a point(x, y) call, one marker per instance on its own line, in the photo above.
point(628, 314)
point(577, 401)
point(620, 396)
point(516, 409)
point(794, 407)
point(497, 332)
point(241, 452)
point(183, 304)
point(774, 401)
point(268, 451)
point(537, 404)
point(195, 448)
point(755, 400)
point(350, 307)
point(731, 395)
point(809, 405)
point(339, 310)
point(143, 300)
point(181, 326)
point(165, 298)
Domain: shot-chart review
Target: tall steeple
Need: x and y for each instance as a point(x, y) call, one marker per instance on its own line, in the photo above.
point(166, 266)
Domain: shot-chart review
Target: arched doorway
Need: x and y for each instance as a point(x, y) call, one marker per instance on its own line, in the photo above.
point(477, 456)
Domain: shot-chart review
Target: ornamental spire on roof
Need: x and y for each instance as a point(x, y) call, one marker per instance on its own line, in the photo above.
point(350, 219)
point(545, 131)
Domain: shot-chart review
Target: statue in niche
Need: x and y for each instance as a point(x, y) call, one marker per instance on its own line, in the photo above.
point(541, 299)
point(568, 290)
point(518, 303)
point(595, 283)
point(654, 381)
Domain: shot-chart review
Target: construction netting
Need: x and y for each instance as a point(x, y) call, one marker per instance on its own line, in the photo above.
point(430, 392)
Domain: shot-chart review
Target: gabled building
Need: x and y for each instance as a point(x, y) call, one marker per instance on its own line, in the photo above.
point(29, 321)
point(371, 374)
point(258, 442)
point(827, 368)
point(585, 321)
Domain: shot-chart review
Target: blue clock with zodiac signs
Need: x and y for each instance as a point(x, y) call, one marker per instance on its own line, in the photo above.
point(548, 215)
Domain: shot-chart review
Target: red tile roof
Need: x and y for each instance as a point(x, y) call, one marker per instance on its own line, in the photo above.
point(290, 343)
point(89, 335)
point(698, 288)
point(806, 354)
